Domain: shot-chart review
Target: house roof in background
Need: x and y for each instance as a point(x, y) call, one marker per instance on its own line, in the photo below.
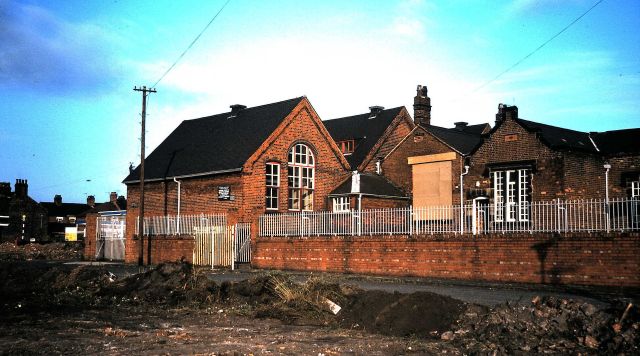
point(366, 132)
point(214, 144)
point(64, 209)
point(370, 184)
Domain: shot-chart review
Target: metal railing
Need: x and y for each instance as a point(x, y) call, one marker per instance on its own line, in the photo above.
point(180, 224)
point(476, 218)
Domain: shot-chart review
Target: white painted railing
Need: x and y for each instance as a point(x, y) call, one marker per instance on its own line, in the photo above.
point(180, 225)
point(476, 218)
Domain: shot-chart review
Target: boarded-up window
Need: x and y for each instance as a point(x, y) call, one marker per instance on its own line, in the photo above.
point(432, 184)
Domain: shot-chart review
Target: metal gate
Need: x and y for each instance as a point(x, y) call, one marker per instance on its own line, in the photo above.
point(110, 236)
point(222, 246)
point(243, 243)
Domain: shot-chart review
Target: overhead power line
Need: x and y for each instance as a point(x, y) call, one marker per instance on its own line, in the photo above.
point(537, 49)
point(191, 45)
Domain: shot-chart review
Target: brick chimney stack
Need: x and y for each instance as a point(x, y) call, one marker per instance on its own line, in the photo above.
point(113, 197)
point(506, 112)
point(21, 188)
point(422, 107)
point(57, 199)
point(91, 201)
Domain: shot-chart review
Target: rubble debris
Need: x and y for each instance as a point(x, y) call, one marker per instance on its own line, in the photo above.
point(55, 251)
point(549, 325)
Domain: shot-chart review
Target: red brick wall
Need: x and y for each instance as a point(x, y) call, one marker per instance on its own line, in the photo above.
point(163, 249)
point(304, 127)
point(620, 165)
point(419, 143)
point(579, 259)
point(90, 237)
point(382, 203)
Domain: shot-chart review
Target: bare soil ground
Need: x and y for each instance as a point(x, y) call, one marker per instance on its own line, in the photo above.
point(52, 308)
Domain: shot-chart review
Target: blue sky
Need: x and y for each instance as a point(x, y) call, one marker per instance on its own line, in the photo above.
point(69, 119)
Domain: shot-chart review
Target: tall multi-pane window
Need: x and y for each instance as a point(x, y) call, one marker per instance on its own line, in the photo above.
point(301, 173)
point(511, 191)
point(273, 183)
point(635, 189)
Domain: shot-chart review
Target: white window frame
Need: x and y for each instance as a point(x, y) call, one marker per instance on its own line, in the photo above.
point(510, 194)
point(272, 175)
point(341, 205)
point(301, 178)
point(498, 196)
point(635, 189)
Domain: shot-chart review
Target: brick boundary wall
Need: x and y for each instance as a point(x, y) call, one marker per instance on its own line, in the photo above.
point(163, 249)
point(576, 259)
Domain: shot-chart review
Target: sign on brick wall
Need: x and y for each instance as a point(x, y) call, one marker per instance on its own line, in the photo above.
point(224, 192)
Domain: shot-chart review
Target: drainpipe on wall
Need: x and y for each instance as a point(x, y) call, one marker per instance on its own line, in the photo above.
point(466, 171)
point(607, 166)
point(178, 217)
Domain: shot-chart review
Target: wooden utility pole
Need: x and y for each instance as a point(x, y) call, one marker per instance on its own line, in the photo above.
point(144, 91)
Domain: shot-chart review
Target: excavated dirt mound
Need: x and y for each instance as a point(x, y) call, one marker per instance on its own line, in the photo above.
point(168, 283)
point(56, 251)
point(420, 314)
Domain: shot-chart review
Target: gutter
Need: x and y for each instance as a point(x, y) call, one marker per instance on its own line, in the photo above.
point(233, 170)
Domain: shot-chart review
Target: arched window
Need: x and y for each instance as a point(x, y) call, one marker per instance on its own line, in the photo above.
point(301, 173)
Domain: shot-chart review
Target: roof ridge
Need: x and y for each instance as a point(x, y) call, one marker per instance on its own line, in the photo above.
point(249, 108)
point(364, 113)
point(553, 126)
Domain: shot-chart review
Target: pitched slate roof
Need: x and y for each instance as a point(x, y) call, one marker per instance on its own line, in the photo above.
point(558, 137)
point(618, 141)
point(214, 144)
point(370, 184)
point(462, 141)
point(364, 130)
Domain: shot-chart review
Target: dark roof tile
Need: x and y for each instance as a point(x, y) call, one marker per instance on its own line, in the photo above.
point(618, 141)
point(461, 141)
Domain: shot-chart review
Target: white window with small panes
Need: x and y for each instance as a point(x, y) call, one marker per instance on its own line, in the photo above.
point(341, 205)
point(272, 172)
point(511, 195)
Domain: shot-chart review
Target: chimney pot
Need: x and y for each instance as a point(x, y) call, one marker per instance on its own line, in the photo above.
point(91, 201)
point(236, 108)
point(113, 197)
point(460, 125)
point(21, 188)
point(57, 199)
point(375, 110)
